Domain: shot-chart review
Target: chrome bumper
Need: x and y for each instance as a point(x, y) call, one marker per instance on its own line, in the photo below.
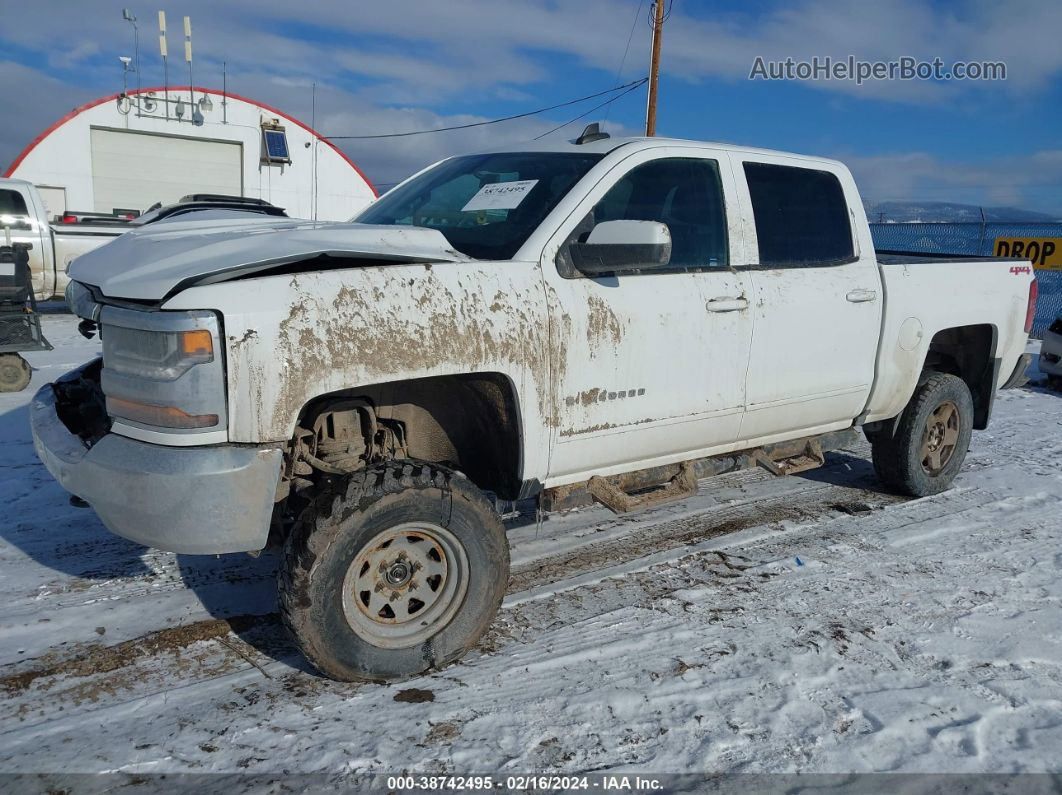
point(192, 500)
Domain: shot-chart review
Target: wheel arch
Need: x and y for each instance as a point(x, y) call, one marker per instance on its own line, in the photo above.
point(471, 422)
point(969, 352)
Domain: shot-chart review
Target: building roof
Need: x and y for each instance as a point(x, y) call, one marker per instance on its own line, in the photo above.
point(195, 89)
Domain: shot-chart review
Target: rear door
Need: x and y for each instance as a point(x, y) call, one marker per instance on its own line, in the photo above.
point(816, 298)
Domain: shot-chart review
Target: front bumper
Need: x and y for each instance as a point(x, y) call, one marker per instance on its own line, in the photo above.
point(1051, 354)
point(192, 500)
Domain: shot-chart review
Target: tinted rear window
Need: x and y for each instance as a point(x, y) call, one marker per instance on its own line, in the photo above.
point(12, 203)
point(801, 216)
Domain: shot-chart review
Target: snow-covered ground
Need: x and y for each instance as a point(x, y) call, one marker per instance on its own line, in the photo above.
point(806, 624)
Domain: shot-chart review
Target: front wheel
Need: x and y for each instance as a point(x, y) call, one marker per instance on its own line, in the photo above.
point(399, 572)
point(930, 443)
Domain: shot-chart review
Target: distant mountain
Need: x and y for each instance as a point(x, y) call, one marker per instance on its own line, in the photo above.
point(897, 212)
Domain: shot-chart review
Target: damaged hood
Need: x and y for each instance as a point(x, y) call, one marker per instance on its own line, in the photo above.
point(150, 263)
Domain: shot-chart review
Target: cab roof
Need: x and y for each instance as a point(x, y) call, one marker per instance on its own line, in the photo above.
point(606, 145)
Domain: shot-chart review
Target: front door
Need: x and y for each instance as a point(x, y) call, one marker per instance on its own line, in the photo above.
point(648, 363)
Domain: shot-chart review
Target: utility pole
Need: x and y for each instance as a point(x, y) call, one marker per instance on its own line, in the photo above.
point(654, 66)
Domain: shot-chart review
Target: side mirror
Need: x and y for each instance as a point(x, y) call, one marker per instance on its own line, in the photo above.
point(622, 245)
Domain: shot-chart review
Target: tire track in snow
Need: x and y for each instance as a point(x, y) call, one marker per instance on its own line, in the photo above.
point(56, 669)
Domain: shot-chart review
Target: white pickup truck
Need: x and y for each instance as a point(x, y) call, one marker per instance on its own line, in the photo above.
point(51, 249)
point(607, 319)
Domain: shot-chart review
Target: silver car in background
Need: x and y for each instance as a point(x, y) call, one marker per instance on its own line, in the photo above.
point(1051, 354)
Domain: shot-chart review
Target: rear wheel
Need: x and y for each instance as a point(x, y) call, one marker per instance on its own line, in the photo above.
point(15, 372)
point(930, 443)
point(398, 572)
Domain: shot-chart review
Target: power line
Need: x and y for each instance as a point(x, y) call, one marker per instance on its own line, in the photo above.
point(633, 86)
point(629, 86)
point(623, 60)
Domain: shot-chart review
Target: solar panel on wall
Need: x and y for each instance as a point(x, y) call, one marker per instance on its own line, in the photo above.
point(276, 145)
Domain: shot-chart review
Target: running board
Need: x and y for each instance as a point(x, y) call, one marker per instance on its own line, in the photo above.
point(644, 488)
point(683, 485)
point(811, 457)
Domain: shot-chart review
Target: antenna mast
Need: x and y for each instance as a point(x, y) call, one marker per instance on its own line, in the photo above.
point(188, 58)
point(316, 140)
point(165, 62)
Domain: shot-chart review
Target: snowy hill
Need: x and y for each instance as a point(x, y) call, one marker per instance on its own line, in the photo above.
point(897, 212)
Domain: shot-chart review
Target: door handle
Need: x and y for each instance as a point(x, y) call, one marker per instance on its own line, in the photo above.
point(861, 296)
point(727, 305)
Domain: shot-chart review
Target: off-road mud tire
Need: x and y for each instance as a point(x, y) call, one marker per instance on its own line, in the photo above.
point(339, 524)
point(897, 457)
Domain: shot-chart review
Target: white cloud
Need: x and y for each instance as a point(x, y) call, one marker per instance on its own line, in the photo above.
point(31, 101)
point(1019, 33)
point(430, 50)
point(1029, 181)
point(407, 60)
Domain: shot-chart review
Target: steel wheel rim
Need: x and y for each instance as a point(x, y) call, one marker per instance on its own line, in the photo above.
point(405, 585)
point(939, 438)
point(11, 373)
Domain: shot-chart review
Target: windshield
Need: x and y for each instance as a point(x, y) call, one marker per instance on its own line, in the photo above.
point(485, 205)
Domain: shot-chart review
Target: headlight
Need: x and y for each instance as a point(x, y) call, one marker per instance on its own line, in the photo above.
point(163, 370)
point(158, 355)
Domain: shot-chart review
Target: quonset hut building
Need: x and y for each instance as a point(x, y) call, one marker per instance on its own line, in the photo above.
point(129, 151)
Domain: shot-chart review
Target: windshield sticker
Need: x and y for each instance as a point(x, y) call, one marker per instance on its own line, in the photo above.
point(500, 195)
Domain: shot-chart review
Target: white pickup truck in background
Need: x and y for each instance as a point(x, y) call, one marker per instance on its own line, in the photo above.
point(607, 320)
point(51, 248)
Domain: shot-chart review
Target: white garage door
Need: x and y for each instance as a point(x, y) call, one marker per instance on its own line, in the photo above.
point(132, 170)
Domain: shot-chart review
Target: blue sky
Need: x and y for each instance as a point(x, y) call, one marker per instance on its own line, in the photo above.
point(410, 64)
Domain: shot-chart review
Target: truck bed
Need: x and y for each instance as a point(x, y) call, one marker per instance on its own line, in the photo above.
point(933, 293)
point(895, 257)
